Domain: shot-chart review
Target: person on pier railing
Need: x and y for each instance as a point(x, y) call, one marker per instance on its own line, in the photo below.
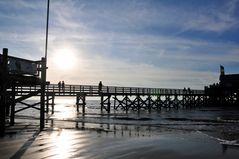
point(100, 87)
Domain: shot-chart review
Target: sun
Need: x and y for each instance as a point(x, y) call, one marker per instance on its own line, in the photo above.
point(65, 58)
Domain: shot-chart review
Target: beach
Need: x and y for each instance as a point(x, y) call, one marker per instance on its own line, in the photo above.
point(119, 79)
point(184, 133)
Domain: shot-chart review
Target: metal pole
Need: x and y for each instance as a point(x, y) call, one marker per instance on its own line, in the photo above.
point(43, 84)
point(47, 24)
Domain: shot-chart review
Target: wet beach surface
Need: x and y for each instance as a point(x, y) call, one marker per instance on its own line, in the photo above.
point(187, 133)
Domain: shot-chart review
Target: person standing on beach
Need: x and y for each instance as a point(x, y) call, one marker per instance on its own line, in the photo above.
point(63, 86)
point(59, 85)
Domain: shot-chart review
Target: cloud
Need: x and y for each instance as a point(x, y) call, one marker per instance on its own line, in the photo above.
point(215, 22)
point(215, 19)
point(130, 43)
point(162, 60)
point(120, 72)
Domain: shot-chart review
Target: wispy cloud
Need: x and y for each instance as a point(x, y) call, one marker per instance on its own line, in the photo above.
point(126, 42)
point(146, 59)
point(118, 72)
point(217, 18)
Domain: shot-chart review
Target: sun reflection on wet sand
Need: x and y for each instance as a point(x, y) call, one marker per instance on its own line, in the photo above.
point(71, 143)
point(63, 144)
point(95, 135)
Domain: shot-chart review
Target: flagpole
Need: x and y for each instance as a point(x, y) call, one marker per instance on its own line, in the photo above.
point(47, 23)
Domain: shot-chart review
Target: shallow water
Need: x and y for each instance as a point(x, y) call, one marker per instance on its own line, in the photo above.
point(183, 133)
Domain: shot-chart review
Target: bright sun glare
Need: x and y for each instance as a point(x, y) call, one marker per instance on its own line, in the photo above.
point(65, 58)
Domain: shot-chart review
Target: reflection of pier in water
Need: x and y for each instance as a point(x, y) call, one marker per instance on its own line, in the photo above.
point(120, 130)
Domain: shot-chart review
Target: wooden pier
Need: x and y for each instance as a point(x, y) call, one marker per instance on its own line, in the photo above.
point(22, 79)
point(126, 98)
point(111, 97)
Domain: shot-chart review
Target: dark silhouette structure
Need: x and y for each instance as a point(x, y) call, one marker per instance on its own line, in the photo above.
point(21, 79)
point(226, 92)
point(126, 98)
point(17, 72)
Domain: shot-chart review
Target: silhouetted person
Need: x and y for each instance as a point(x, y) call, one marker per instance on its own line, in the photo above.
point(189, 91)
point(63, 86)
point(184, 91)
point(100, 87)
point(59, 86)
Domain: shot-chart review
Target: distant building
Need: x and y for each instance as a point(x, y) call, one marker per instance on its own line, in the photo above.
point(224, 93)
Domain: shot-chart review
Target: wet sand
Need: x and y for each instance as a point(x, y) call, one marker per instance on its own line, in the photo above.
point(85, 144)
point(120, 142)
point(180, 134)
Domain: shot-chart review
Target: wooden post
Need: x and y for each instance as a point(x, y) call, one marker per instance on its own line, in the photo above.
point(43, 85)
point(108, 104)
point(4, 73)
point(115, 101)
point(126, 103)
point(159, 102)
point(47, 103)
point(53, 103)
point(102, 102)
point(149, 103)
point(77, 103)
point(13, 103)
point(138, 102)
point(83, 104)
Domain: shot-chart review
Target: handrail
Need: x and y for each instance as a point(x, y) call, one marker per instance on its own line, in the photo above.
point(93, 89)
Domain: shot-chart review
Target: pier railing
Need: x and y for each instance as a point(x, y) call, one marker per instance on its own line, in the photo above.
point(93, 90)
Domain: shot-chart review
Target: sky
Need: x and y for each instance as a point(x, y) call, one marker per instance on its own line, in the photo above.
point(141, 43)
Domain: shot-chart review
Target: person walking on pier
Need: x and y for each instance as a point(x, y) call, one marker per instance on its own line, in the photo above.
point(63, 86)
point(100, 87)
point(59, 86)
